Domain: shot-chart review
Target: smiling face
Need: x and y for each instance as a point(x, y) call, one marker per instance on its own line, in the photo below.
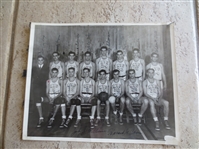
point(55, 56)
point(86, 73)
point(102, 76)
point(54, 73)
point(135, 54)
point(87, 57)
point(150, 73)
point(71, 72)
point(40, 61)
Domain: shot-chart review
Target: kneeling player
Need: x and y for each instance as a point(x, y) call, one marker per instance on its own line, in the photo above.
point(102, 91)
point(134, 94)
point(117, 94)
point(71, 92)
point(87, 88)
point(153, 91)
point(53, 92)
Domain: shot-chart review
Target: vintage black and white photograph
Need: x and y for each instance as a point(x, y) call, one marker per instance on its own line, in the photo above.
point(101, 83)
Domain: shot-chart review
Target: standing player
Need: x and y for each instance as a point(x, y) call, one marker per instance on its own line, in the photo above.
point(153, 92)
point(87, 92)
point(39, 77)
point(71, 92)
point(87, 64)
point(121, 65)
point(117, 94)
point(56, 63)
point(53, 92)
point(138, 65)
point(104, 63)
point(71, 63)
point(102, 91)
point(159, 71)
point(134, 94)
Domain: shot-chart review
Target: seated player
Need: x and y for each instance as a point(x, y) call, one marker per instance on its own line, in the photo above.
point(87, 92)
point(102, 92)
point(56, 63)
point(71, 63)
point(117, 94)
point(121, 65)
point(53, 92)
point(87, 63)
point(71, 92)
point(134, 94)
point(153, 92)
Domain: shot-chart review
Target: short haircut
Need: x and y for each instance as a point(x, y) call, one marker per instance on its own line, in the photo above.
point(136, 49)
point(54, 69)
point(40, 56)
point(116, 70)
point(119, 51)
point(132, 70)
point(71, 52)
point(86, 69)
point(102, 71)
point(55, 53)
point(154, 53)
point(103, 47)
point(150, 69)
point(72, 68)
point(87, 52)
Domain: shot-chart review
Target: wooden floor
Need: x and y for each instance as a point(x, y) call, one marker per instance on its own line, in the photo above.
point(126, 131)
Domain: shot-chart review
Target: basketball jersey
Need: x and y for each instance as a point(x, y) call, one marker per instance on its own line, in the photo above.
point(58, 66)
point(121, 66)
point(116, 87)
point(89, 66)
point(73, 65)
point(54, 88)
point(152, 89)
point(134, 87)
point(137, 66)
point(157, 73)
point(87, 87)
point(102, 87)
point(71, 87)
point(103, 64)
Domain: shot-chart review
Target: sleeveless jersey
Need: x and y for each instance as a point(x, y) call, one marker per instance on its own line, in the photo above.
point(121, 66)
point(104, 64)
point(134, 87)
point(71, 87)
point(137, 66)
point(73, 65)
point(58, 66)
point(54, 88)
point(152, 89)
point(116, 87)
point(89, 66)
point(103, 87)
point(157, 73)
point(87, 87)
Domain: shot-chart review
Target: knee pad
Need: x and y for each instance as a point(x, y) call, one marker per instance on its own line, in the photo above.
point(94, 102)
point(112, 99)
point(78, 102)
point(73, 101)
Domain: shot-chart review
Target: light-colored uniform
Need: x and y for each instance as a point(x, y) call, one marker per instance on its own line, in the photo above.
point(54, 88)
point(73, 65)
point(134, 88)
point(103, 64)
point(87, 88)
point(89, 66)
point(103, 87)
point(71, 87)
point(137, 66)
point(116, 88)
point(152, 88)
point(121, 66)
point(58, 66)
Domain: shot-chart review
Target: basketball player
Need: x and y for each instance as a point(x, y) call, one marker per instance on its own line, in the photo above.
point(87, 64)
point(103, 62)
point(134, 94)
point(153, 92)
point(71, 63)
point(117, 94)
point(102, 91)
point(56, 63)
point(159, 71)
point(71, 92)
point(87, 92)
point(39, 77)
point(138, 65)
point(121, 65)
point(53, 92)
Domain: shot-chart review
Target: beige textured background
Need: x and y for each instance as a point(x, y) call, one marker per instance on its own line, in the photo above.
point(15, 17)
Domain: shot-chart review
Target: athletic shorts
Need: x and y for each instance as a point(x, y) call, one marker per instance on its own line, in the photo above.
point(103, 97)
point(58, 100)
